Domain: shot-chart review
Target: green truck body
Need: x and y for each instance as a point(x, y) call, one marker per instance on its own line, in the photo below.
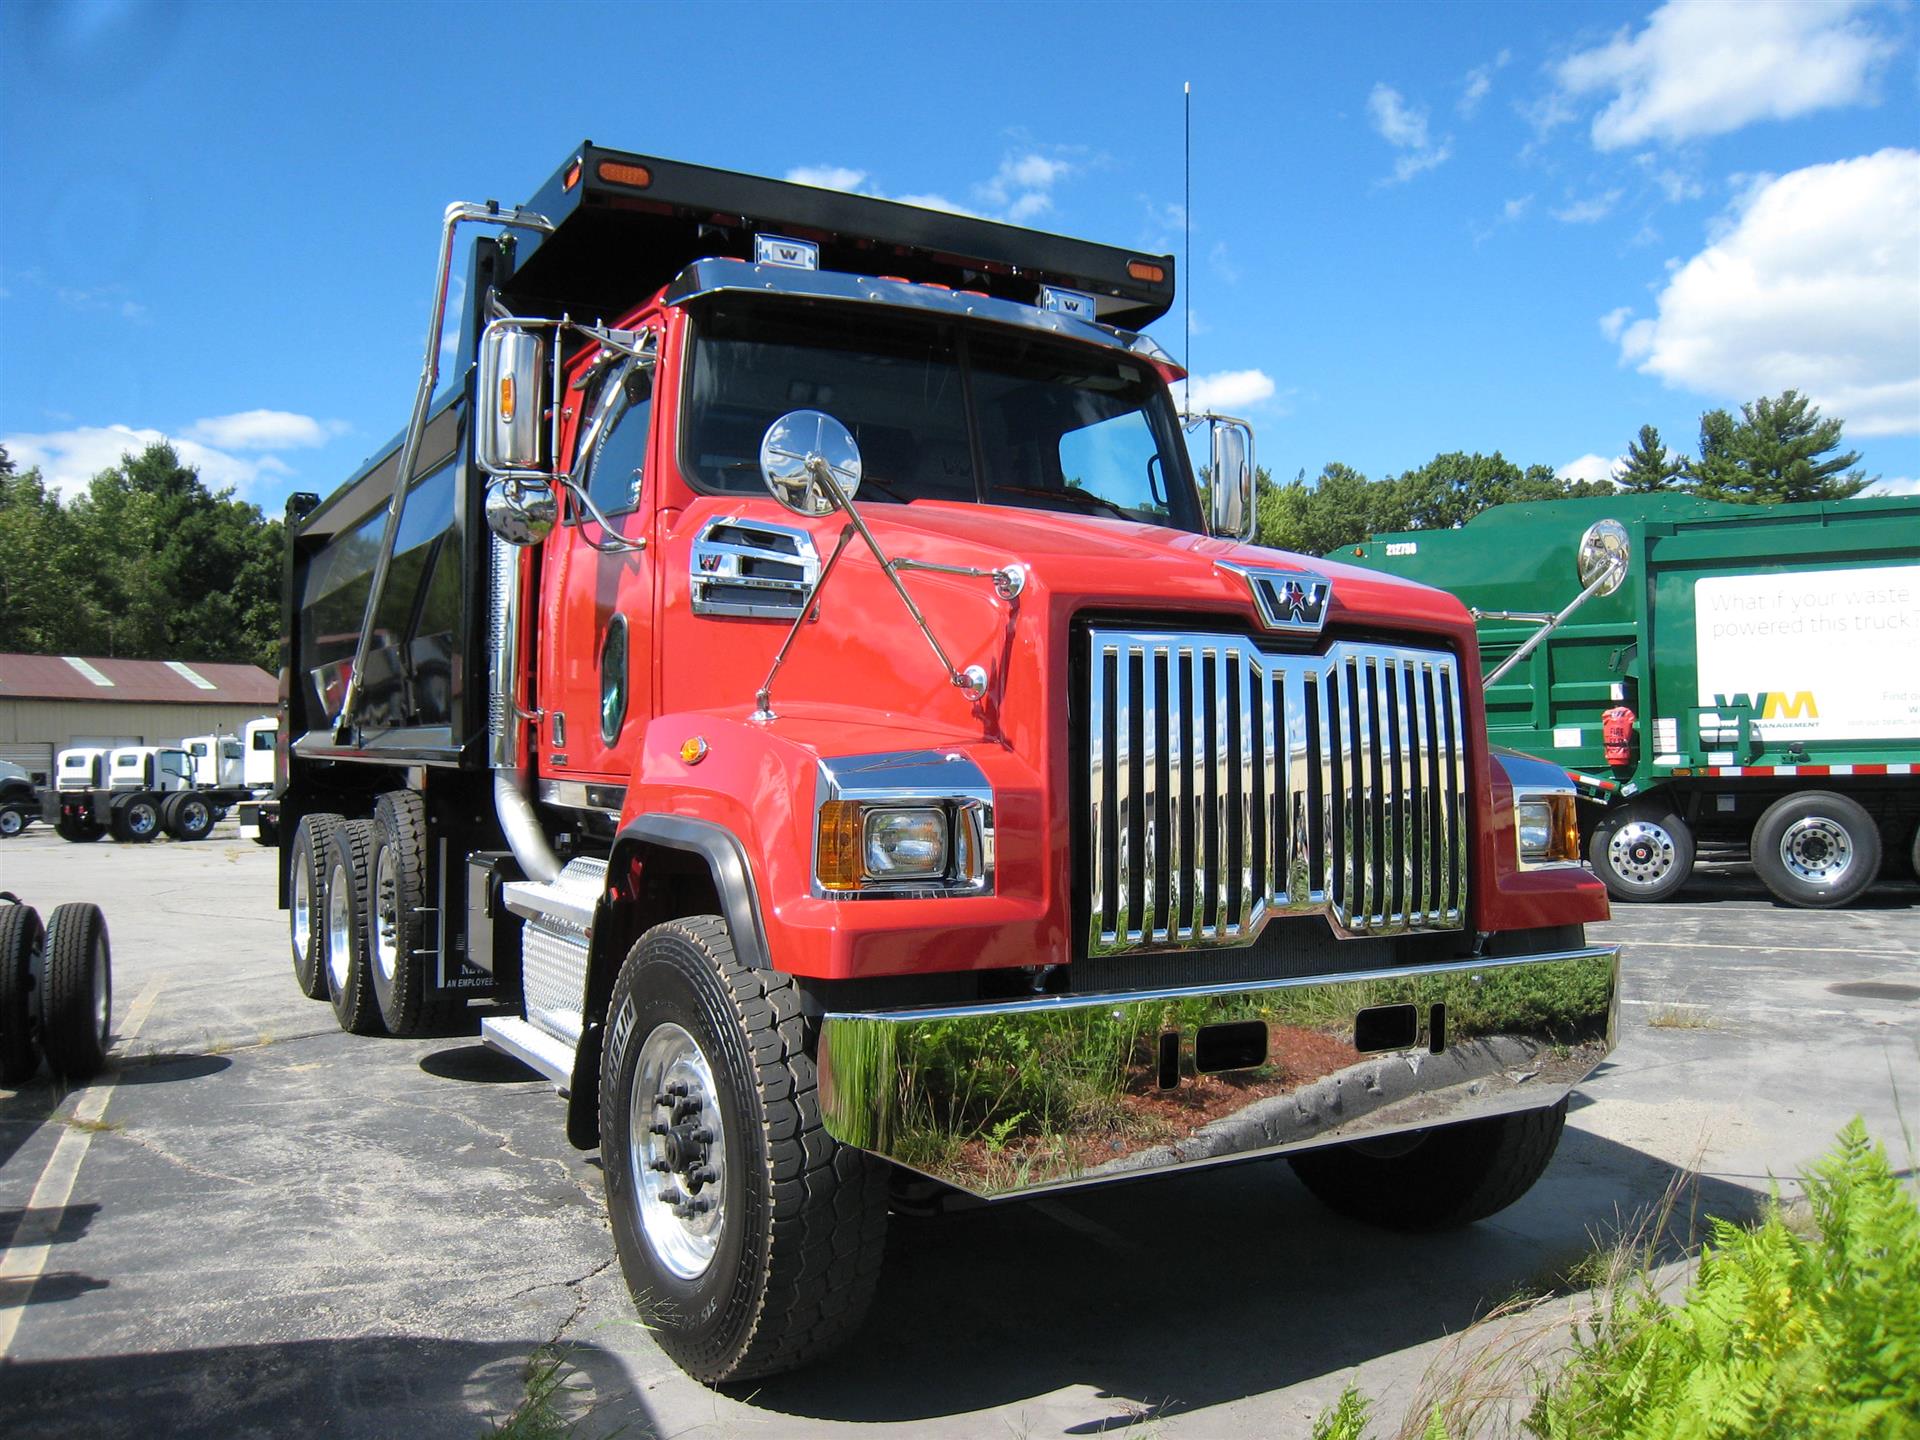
point(1765, 653)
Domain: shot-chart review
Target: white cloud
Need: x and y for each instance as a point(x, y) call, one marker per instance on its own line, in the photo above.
point(1675, 184)
point(1479, 82)
point(68, 459)
point(1228, 391)
point(1894, 485)
point(1514, 209)
point(263, 430)
point(1587, 211)
point(1701, 67)
point(1811, 285)
point(1592, 467)
point(1404, 127)
point(1022, 187)
point(1614, 321)
point(828, 177)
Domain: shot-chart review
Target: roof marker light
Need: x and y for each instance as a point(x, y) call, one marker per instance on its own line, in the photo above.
point(616, 172)
point(573, 176)
point(1147, 270)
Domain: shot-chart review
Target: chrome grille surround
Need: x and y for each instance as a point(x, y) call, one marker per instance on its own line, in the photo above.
point(1334, 782)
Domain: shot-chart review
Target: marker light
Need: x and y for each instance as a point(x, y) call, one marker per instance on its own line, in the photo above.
point(1146, 270)
point(506, 399)
point(615, 172)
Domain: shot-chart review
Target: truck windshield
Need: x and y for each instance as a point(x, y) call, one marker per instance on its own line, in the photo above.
point(1053, 425)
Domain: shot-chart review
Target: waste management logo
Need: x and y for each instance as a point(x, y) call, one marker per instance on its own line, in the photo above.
point(1774, 705)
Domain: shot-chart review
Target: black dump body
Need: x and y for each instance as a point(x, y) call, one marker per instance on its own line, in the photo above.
point(624, 226)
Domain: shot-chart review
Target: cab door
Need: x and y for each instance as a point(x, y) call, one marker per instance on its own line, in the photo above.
point(596, 665)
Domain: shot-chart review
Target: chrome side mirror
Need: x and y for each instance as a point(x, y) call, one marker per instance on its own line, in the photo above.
point(1603, 555)
point(512, 400)
point(521, 511)
point(1231, 500)
point(788, 451)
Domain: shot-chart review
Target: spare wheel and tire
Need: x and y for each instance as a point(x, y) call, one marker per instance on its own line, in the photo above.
point(76, 1007)
point(1816, 849)
point(21, 938)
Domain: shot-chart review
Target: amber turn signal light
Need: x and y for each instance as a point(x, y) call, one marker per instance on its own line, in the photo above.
point(837, 846)
point(1146, 270)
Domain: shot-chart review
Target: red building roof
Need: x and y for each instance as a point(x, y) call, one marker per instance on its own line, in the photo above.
point(150, 682)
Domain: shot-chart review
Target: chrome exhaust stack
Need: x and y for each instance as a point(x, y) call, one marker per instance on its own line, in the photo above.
point(506, 722)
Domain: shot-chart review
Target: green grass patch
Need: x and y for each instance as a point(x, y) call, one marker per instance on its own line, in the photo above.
point(1788, 1329)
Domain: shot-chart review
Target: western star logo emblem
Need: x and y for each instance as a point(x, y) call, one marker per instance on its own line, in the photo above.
point(1291, 600)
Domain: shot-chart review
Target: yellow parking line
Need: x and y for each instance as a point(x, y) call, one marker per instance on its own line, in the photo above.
point(26, 1256)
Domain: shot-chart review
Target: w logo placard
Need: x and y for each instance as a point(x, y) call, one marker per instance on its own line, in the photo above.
point(1294, 601)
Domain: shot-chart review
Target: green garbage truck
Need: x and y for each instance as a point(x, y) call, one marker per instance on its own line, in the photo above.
point(1707, 673)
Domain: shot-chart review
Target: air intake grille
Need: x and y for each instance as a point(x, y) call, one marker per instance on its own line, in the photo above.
point(1230, 785)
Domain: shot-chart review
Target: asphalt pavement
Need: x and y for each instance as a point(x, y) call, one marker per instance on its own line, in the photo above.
point(254, 1224)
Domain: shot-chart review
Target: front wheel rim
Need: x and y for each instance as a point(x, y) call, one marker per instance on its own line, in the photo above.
point(339, 930)
point(1641, 853)
point(677, 1154)
point(1817, 850)
point(141, 819)
point(11, 823)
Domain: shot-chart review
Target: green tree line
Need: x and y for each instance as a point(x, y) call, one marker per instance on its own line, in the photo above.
point(146, 564)
point(1775, 451)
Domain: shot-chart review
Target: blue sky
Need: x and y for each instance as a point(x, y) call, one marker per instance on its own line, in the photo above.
point(1416, 228)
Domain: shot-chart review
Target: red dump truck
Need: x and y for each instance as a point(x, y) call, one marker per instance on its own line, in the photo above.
point(792, 691)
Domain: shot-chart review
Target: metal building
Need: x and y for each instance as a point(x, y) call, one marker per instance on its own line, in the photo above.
point(50, 703)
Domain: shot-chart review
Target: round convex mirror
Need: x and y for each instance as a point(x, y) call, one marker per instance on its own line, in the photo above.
point(1604, 548)
point(790, 443)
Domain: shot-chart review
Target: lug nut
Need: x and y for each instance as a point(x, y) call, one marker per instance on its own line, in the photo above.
point(702, 1136)
point(677, 1088)
point(671, 1196)
point(705, 1175)
point(658, 1128)
point(659, 1165)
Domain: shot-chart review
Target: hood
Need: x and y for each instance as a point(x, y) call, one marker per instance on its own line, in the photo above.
point(1086, 562)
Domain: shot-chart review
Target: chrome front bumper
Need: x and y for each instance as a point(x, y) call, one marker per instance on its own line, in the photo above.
point(1040, 1094)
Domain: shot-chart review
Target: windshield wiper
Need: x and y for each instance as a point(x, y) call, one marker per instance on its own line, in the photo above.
point(1086, 499)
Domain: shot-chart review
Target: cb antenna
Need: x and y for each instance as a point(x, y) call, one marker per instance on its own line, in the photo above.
point(1186, 214)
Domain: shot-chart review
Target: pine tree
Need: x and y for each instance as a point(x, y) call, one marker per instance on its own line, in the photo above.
point(1649, 467)
point(1779, 452)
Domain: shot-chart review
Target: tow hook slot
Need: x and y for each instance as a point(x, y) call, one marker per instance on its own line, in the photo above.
point(1235, 1045)
point(1385, 1027)
point(1168, 1067)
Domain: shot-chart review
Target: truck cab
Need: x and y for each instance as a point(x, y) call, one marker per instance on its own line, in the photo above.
point(81, 769)
point(157, 768)
point(797, 677)
point(257, 751)
point(217, 760)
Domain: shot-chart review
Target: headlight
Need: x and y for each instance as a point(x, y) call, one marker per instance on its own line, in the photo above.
point(900, 844)
point(860, 842)
point(1549, 829)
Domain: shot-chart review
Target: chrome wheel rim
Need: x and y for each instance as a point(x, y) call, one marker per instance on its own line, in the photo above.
point(141, 820)
point(1816, 850)
point(11, 823)
point(194, 817)
point(386, 911)
point(1641, 853)
point(301, 911)
point(339, 929)
point(677, 1153)
point(102, 991)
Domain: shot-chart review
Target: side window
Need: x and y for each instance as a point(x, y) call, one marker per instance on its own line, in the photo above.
point(619, 455)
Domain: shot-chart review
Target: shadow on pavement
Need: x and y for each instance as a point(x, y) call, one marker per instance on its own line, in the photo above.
point(47, 1227)
point(477, 1065)
point(164, 1069)
point(1182, 1294)
point(376, 1387)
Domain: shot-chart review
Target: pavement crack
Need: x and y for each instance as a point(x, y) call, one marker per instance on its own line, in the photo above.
point(154, 1148)
point(580, 1300)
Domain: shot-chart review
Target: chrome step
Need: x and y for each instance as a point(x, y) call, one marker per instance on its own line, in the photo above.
point(531, 1046)
point(553, 946)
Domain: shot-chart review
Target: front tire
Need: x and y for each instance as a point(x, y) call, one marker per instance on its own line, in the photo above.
point(13, 819)
point(779, 1264)
point(1816, 850)
point(1445, 1178)
point(76, 1012)
point(1644, 852)
point(349, 928)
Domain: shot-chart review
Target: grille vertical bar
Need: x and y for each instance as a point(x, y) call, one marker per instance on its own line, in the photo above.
point(1229, 785)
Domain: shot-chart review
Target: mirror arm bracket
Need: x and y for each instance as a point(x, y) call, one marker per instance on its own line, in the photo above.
point(763, 697)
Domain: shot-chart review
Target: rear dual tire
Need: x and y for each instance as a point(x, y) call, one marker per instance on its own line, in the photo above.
point(403, 962)
point(187, 816)
point(136, 821)
point(307, 904)
point(1817, 850)
point(348, 928)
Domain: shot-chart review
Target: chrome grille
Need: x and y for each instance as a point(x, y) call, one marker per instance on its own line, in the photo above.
point(1229, 785)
